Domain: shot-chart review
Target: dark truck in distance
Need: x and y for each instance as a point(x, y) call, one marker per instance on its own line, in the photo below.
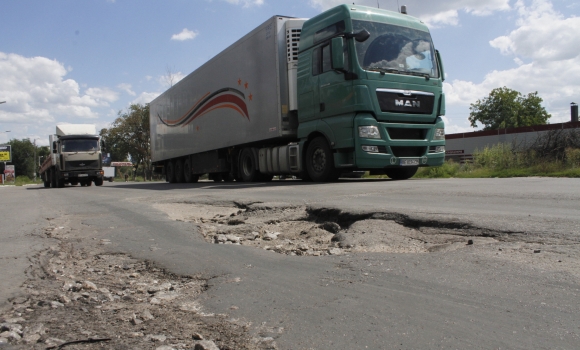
point(352, 89)
point(75, 157)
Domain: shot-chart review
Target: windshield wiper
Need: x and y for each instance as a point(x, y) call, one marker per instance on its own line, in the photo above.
point(385, 70)
point(396, 71)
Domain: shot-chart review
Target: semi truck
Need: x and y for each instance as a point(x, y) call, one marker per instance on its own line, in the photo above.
point(353, 89)
point(75, 157)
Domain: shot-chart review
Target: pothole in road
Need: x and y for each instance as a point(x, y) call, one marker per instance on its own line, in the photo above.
point(300, 230)
point(82, 297)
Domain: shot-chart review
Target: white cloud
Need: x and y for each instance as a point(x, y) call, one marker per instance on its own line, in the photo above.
point(170, 79)
point(146, 97)
point(127, 88)
point(185, 34)
point(246, 3)
point(550, 41)
point(433, 12)
point(37, 91)
point(543, 34)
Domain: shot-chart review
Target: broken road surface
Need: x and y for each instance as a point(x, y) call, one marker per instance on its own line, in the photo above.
point(283, 265)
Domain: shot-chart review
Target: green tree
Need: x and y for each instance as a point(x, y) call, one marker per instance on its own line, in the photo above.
point(507, 108)
point(130, 135)
point(22, 157)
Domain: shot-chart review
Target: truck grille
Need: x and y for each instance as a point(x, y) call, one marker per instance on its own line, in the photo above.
point(81, 164)
point(403, 101)
point(402, 151)
point(407, 134)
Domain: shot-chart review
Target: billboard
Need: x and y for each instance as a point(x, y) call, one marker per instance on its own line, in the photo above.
point(5, 153)
point(9, 174)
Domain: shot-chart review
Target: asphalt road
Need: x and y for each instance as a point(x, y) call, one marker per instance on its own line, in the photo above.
point(459, 299)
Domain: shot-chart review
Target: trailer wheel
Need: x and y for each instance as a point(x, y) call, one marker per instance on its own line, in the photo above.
point(99, 181)
point(320, 161)
point(179, 171)
point(170, 171)
point(188, 172)
point(248, 166)
point(401, 173)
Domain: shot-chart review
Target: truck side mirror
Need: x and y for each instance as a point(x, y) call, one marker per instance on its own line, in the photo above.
point(440, 65)
point(337, 48)
point(361, 36)
point(53, 146)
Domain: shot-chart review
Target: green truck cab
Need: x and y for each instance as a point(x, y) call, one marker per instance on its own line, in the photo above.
point(370, 84)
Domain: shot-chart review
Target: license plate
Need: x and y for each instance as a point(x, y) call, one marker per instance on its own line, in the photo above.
point(409, 162)
point(83, 175)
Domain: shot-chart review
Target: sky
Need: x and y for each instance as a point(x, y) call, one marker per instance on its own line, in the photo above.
point(72, 61)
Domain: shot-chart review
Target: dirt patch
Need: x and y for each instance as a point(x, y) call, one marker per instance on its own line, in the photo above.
point(84, 298)
point(304, 231)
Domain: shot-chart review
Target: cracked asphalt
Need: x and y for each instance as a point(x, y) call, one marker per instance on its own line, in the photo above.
point(474, 263)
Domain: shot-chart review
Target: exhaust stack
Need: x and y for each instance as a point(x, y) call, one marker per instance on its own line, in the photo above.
point(404, 9)
point(573, 112)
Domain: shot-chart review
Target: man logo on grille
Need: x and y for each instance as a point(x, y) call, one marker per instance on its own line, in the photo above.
point(407, 103)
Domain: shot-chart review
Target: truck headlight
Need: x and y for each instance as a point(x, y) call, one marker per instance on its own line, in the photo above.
point(440, 149)
point(369, 132)
point(439, 134)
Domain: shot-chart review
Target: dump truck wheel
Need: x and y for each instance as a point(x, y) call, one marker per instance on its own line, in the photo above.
point(401, 173)
point(99, 181)
point(248, 166)
point(52, 178)
point(320, 161)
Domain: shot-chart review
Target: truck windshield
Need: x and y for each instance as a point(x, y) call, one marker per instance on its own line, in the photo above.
point(79, 145)
point(396, 49)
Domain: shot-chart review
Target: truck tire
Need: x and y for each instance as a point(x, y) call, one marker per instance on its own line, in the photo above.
point(99, 181)
point(179, 171)
point(401, 173)
point(320, 161)
point(45, 179)
point(170, 171)
point(188, 173)
point(53, 178)
point(248, 166)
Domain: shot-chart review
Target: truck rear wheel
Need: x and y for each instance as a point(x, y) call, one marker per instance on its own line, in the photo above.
point(401, 173)
point(248, 166)
point(170, 171)
point(188, 172)
point(320, 161)
point(52, 178)
point(179, 171)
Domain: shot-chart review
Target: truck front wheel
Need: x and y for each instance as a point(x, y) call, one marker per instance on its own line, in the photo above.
point(248, 166)
point(401, 173)
point(99, 181)
point(320, 161)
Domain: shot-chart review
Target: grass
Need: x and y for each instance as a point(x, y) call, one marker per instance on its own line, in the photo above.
point(503, 162)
